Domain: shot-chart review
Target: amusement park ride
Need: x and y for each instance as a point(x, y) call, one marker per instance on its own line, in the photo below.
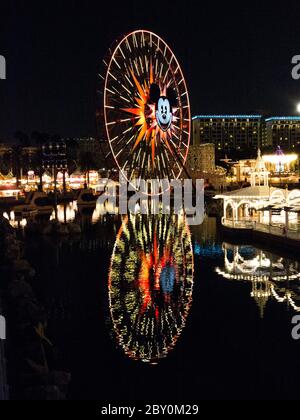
point(143, 106)
point(144, 114)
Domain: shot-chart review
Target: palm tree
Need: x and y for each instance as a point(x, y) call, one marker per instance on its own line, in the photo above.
point(39, 139)
point(37, 163)
point(72, 155)
point(5, 163)
point(15, 159)
point(16, 155)
point(87, 163)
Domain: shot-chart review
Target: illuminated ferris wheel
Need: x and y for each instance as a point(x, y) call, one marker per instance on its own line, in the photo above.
point(146, 108)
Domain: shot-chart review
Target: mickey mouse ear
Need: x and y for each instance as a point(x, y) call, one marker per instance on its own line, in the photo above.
point(154, 93)
point(171, 95)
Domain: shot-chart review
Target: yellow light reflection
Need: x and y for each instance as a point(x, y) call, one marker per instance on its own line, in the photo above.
point(150, 285)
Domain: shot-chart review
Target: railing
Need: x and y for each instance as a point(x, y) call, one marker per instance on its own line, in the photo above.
point(274, 230)
point(240, 224)
point(279, 230)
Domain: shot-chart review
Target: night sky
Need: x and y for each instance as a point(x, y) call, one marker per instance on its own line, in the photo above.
point(235, 59)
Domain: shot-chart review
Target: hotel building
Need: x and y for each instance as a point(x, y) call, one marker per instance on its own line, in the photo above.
point(283, 132)
point(229, 132)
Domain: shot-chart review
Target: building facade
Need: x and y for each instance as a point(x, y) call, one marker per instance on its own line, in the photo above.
point(283, 132)
point(201, 164)
point(272, 210)
point(229, 132)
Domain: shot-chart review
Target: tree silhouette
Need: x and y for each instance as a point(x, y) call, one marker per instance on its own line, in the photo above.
point(87, 163)
point(22, 139)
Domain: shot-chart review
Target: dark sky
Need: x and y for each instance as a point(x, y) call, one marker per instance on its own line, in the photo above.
point(236, 59)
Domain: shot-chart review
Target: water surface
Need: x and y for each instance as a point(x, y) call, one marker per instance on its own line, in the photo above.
point(149, 309)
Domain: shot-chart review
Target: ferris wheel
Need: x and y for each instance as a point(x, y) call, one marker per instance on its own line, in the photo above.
point(146, 108)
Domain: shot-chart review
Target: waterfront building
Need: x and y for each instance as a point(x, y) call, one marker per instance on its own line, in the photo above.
point(260, 204)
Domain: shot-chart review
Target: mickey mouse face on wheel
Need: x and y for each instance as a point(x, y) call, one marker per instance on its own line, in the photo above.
point(163, 113)
point(163, 106)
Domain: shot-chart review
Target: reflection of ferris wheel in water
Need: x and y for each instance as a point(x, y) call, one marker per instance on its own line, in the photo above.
point(150, 285)
point(146, 108)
